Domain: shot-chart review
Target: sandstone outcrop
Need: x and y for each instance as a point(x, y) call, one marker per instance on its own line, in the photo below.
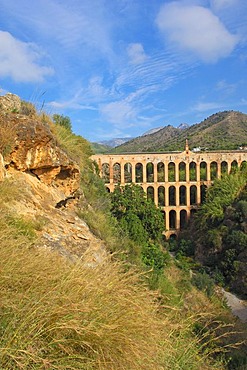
point(35, 150)
point(49, 181)
point(10, 103)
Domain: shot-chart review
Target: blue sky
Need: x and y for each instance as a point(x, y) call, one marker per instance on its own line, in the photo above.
point(118, 68)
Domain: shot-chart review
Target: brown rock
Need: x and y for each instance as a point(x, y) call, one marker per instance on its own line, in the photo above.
point(35, 150)
point(9, 103)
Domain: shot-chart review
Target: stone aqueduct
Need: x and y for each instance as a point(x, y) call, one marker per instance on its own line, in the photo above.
point(175, 181)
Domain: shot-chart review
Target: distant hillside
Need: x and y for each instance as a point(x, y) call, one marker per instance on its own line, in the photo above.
point(100, 148)
point(223, 130)
point(112, 143)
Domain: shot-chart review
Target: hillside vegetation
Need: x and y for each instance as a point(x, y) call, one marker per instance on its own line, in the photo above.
point(221, 131)
point(109, 306)
point(220, 232)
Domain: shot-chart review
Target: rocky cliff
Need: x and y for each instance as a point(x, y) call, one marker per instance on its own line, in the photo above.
point(48, 178)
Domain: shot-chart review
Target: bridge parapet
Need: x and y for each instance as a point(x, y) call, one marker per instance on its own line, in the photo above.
point(175, 181)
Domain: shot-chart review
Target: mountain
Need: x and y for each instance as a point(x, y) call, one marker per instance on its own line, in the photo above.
point(100, 148)
point(114, 142)
point(152, 130)
point(222, 130)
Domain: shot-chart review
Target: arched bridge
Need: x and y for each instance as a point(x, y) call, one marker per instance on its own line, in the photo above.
point(175, 181)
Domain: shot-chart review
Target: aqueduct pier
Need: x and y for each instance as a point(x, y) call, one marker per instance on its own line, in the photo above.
point(175, 181)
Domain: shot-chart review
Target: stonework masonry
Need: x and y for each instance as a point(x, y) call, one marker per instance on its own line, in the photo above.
point(175, 181)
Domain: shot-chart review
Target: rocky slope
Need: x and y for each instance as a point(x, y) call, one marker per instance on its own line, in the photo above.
point(49, 181)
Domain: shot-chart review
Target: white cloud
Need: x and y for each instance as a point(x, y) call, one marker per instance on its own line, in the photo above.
point(19, 60)
point(136, 53)
point(226, 87)
point(119, 113)
point(204, 107)
point(196, 29)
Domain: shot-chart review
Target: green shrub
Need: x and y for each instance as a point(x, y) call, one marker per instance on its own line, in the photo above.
point(154, 257)
point(203, 282)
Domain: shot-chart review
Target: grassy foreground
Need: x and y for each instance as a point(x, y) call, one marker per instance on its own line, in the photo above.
point(59, 315)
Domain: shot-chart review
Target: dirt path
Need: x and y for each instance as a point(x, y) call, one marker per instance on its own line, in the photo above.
point(237, 306)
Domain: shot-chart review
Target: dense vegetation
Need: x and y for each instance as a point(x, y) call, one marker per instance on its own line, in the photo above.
point(221, 131)
point(136, 310)
point(220, 231)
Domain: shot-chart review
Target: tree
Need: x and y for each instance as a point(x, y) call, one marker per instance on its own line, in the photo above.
point(132, 208)
point(62, 121)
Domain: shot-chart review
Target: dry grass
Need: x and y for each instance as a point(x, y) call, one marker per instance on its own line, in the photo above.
point(7, 135)
point(58, 316)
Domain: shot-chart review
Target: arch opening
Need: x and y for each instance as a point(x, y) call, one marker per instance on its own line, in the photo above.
point(161, 172)
point(193, 195)
point(150, 172)
point(182, 195)
point(106, 173)
point(139, 172)
point(203, 171)
point(234, 166)
point(213, 170)
point(150, 193)
point(171, 172)
point(116, 173)
point(183, 219)
point(224, 167)
point(192, 170)
point(161, 196)
point(128, 172)
point(203, 189)
point(182, 171)
point(172, 219)
point(172, 196)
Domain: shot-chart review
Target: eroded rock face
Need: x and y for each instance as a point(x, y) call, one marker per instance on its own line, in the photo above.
point(10, 103)
point(36, 151)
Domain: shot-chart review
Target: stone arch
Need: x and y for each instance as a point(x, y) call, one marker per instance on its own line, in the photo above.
point(182, 195)
point(234, 166)
point(150, 172)
point(224, 167)
point(161, 196)
point(182, 171)
point(192, 171)
point(213, 170)
point(173, 237)
point(128, 172)
point(139, 172)
point(172, 219)
point(203, 190)
point(116, 173)
point(171, 172)
point(161, 172)
point(172, 196)
point(203, 171)
point(183, 219)
point(243, 165)
point(106, 173)
point(193, 195)
point(150, 193)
